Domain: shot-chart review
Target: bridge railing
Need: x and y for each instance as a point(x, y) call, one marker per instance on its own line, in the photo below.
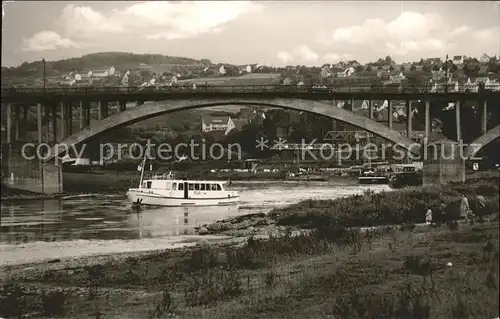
point(199, 89)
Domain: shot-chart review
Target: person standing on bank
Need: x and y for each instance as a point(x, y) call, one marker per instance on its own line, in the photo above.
point(464, 208)
point(480, 205)
point(428, 217)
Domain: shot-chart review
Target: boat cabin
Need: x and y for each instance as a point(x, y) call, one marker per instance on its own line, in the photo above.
point(405, 168)
point(181, 185)
point(169, 182)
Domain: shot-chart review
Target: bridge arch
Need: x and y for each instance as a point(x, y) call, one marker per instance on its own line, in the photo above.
point(482, 141)
point(144, 112)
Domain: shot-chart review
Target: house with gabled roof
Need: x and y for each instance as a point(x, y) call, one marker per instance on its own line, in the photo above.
point(458, 59)
point(484, 58)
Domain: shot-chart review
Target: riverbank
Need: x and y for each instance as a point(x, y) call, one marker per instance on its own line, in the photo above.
point(405, 206)
point(9, 194)
point(307, 276)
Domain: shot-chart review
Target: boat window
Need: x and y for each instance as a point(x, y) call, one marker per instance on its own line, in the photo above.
point(181, 186)
point(174, 186)
point(196, 187)
point(144, 185)
point(202, 187)
point(218, 187)
point(191, 186)
point(149, 185)
point(214, 187)
point(207, 187)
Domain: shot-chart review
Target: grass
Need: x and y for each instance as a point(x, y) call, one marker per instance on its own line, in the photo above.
point(383, 273)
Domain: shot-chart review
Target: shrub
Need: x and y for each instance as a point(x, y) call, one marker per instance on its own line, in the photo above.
point(395, 207)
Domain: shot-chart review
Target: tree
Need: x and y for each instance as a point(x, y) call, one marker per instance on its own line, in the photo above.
point(231, 70)
point(471, 68)
point(391, 68)
point(369, 68)
point(493, 65)
point(413, 68)
point(402, 68)
point(206, 62)
point(389, 60)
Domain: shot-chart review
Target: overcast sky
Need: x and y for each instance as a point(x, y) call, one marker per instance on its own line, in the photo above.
point(266, 32)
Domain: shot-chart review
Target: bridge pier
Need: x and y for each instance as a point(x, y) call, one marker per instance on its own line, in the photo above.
point(9, 122)
point(62, 122)
point(427, 121)
point(122, 106)
point(17, 114)
point(70, 119)
point(87, 114)
point(99, 110)
point(24, 170)
point(370, 109)
point(408, 119)
point(103, 110)
point(484, 120)
point(389, 113)
point(39, 122)
point(457, 120)
point(443, 163)
point(80, 116)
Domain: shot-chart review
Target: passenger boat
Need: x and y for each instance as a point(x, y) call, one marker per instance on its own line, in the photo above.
point(405, 175)
point(372, 177)
point(167, 190)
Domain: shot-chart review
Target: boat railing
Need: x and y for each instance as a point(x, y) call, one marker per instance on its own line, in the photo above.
point(164, 176)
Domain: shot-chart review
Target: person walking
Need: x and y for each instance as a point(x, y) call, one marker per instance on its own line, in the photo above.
point(464, 208)
point(480, 205)
point(444, 216)
point(428, 217)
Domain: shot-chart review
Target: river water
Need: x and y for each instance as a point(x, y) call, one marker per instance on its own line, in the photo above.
point(103, 224)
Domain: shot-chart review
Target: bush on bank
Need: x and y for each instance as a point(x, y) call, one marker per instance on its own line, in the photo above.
point(395, 207)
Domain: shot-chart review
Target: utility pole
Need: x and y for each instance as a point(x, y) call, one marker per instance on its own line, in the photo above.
point(446, 75)
point(43, 61)
point(40, 161)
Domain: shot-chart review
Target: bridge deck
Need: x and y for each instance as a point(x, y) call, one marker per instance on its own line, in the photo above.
point(39, 95)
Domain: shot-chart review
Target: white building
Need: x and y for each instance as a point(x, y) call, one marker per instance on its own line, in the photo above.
point(125, 80)
point(222, 70)
point(349, 71)
point(98, 74)
point(458, 59)
point(216, 123)
point(248, 69)
point(484, 58)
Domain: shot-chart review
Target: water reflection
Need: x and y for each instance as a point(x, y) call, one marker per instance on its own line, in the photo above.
point(175, 221)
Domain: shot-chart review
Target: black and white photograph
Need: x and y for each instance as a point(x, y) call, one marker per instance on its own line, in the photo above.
point(250, 159)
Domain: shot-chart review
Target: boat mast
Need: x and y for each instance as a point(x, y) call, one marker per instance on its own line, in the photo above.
point(142, 169)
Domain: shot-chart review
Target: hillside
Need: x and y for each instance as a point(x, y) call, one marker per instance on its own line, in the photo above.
point(120, 60)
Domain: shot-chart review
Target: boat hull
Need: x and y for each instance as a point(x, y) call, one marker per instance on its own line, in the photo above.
point(155, 199)
point(373, 180)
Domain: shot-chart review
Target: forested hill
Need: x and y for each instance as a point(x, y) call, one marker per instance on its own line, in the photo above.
point(120, 60)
